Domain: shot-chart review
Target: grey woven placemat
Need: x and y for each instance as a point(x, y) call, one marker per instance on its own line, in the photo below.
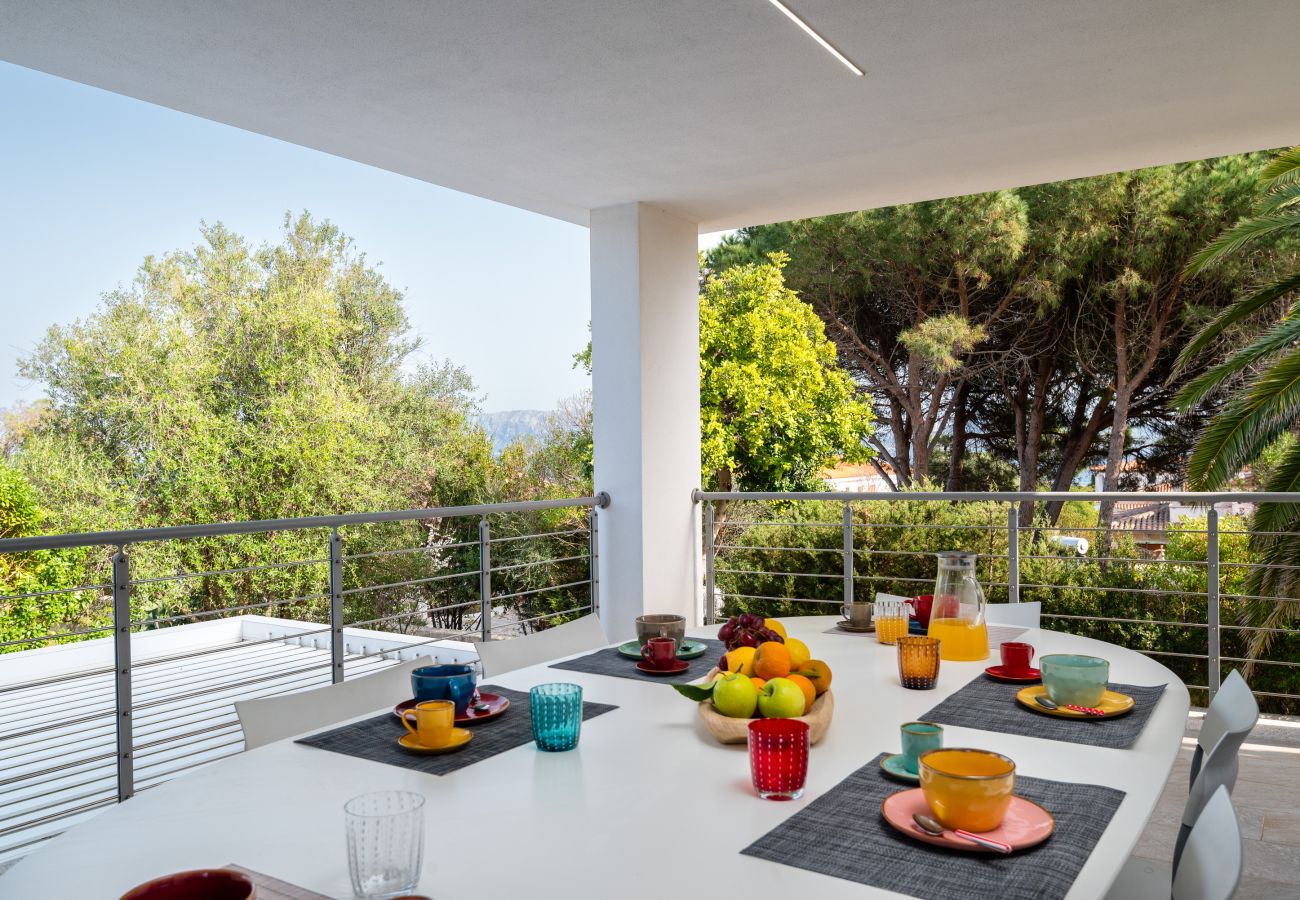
point(610, 662)
point(842, 834)
point(376, 738)
point(991, 706)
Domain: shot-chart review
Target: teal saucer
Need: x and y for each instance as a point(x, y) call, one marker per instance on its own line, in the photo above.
point(893, 765)
point(688, 650)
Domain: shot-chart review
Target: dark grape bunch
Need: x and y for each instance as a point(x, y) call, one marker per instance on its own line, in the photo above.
point(746, 630)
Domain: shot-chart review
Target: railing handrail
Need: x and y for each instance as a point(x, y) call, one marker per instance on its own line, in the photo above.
point(175, 532)
point(1196, 498)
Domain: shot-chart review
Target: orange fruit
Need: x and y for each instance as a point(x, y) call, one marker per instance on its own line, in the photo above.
point(772, 660)
point(759, 682)
point(816, 667)
point(809, 692)
point(774, 625)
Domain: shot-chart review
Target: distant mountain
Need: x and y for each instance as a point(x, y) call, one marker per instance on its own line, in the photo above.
point(512, 424)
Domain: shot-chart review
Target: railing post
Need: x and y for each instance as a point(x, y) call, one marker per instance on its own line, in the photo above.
point(593, 557)
point(485, 579)
point(848, 554)
point(122, 673)
point(710, 600)
point(1013, 553)
point(336, 606)
point(1212, 601)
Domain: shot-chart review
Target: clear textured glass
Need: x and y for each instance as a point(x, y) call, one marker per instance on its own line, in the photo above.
point(957, 613)
point(891, 620)
point(385, 843)
point(557, 715)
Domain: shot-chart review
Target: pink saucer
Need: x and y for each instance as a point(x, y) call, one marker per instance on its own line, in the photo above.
point(1026, 824)
point(1022, 676)
point(680, 665)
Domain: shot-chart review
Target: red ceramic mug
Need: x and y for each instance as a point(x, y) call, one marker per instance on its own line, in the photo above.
point(660, 652)
point(1016, 656)
point(921, 609)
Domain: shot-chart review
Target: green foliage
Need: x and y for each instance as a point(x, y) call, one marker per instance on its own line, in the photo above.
point(35, 573)
point(775, 407)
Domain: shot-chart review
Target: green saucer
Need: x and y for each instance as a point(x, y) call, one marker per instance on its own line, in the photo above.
point(688, 650)
point(893, 765)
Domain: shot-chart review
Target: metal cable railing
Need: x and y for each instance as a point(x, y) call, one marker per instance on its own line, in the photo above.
point(1125, 589)
point(139, 707)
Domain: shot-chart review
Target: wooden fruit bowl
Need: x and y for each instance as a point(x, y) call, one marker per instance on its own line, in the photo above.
point(736, 731)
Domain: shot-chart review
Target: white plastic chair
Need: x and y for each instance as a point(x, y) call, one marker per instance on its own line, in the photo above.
point(1024, 615)
point(1211, 864)
point(1230, 718)
point(271, 719)
point(500, 657)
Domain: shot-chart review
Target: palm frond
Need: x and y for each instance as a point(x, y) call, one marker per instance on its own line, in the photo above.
point(1250, 423)
point(1285, 478)
point(1240, 310)
point(1245, 232)
point(1282, 197)
point(1278, 578)
point(1286, 163)
point(1279, 337)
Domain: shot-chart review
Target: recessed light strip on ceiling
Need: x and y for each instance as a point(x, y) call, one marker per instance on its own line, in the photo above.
point(817, 37)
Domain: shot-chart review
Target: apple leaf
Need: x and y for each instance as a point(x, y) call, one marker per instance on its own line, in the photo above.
point(695, 691)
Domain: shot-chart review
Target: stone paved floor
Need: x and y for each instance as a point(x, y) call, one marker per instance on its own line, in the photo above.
point(1267, 800)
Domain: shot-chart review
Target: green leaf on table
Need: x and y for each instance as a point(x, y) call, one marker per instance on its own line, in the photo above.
point(695, 692)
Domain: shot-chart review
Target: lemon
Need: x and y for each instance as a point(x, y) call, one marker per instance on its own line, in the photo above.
point(774, 625)
point(799, 652)
point(741, 660)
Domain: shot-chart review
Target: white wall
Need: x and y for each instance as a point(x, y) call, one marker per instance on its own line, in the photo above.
point(646, 411)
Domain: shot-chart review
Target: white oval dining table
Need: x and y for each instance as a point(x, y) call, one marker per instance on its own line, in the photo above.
point(648, 805)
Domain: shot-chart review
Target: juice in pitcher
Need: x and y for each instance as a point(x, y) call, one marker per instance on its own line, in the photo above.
point(957, 615)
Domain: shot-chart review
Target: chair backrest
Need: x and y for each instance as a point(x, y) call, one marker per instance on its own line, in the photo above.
point(1026, 615)
point(500, 657)
point(1211, 864)
point(271, 719)
point(1230, 718)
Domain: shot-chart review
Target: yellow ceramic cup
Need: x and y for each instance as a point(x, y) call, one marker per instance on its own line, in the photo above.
point(434, 720)
point(967, 789)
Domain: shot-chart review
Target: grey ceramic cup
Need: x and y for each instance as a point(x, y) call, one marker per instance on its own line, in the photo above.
point(660, 625)
point(858, 613)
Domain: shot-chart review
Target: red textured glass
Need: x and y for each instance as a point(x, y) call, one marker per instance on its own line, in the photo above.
point(778, 757)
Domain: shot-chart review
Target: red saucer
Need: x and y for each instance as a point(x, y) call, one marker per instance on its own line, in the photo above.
point(1022, 676)
point(496, 705)
point(680, 665)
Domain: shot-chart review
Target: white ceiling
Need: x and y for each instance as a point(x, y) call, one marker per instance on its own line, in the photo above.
point(719, 110)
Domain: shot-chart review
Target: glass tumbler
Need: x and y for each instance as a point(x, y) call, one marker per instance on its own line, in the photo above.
point(557, 715)
point(385, 842)
point(778, 757)
point(891, 620)
point(918, 662)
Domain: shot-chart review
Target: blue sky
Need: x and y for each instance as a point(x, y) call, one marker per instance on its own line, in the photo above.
point(91, 182)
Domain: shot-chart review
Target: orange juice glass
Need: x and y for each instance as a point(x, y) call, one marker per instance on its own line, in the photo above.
point(891, 620)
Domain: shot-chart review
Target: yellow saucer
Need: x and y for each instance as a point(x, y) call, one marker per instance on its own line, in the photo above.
point(1112, 704)
point(459, 738)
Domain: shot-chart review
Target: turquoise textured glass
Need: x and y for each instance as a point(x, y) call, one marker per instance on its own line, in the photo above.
point(557, 715)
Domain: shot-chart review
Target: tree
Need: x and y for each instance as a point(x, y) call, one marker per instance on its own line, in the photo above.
point(234, 383)
point(1258, 386)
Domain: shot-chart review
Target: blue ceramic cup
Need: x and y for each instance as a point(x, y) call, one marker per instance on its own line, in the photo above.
point(452, 682)
point(1075, 680)
point(919, 738)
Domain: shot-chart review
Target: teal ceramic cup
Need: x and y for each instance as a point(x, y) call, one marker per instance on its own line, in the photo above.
point(1074, 680)
point(919, 738)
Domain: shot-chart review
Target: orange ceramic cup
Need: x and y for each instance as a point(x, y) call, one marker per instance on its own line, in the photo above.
point(434, 720)
point(967, 789)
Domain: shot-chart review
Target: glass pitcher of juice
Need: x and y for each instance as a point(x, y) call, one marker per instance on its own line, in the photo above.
point(957, 616)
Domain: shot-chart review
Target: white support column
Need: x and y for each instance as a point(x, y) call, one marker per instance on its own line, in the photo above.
point(645, 365)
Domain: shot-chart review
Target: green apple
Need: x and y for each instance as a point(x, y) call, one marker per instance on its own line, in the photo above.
point(734, 695)
point(780, 698)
